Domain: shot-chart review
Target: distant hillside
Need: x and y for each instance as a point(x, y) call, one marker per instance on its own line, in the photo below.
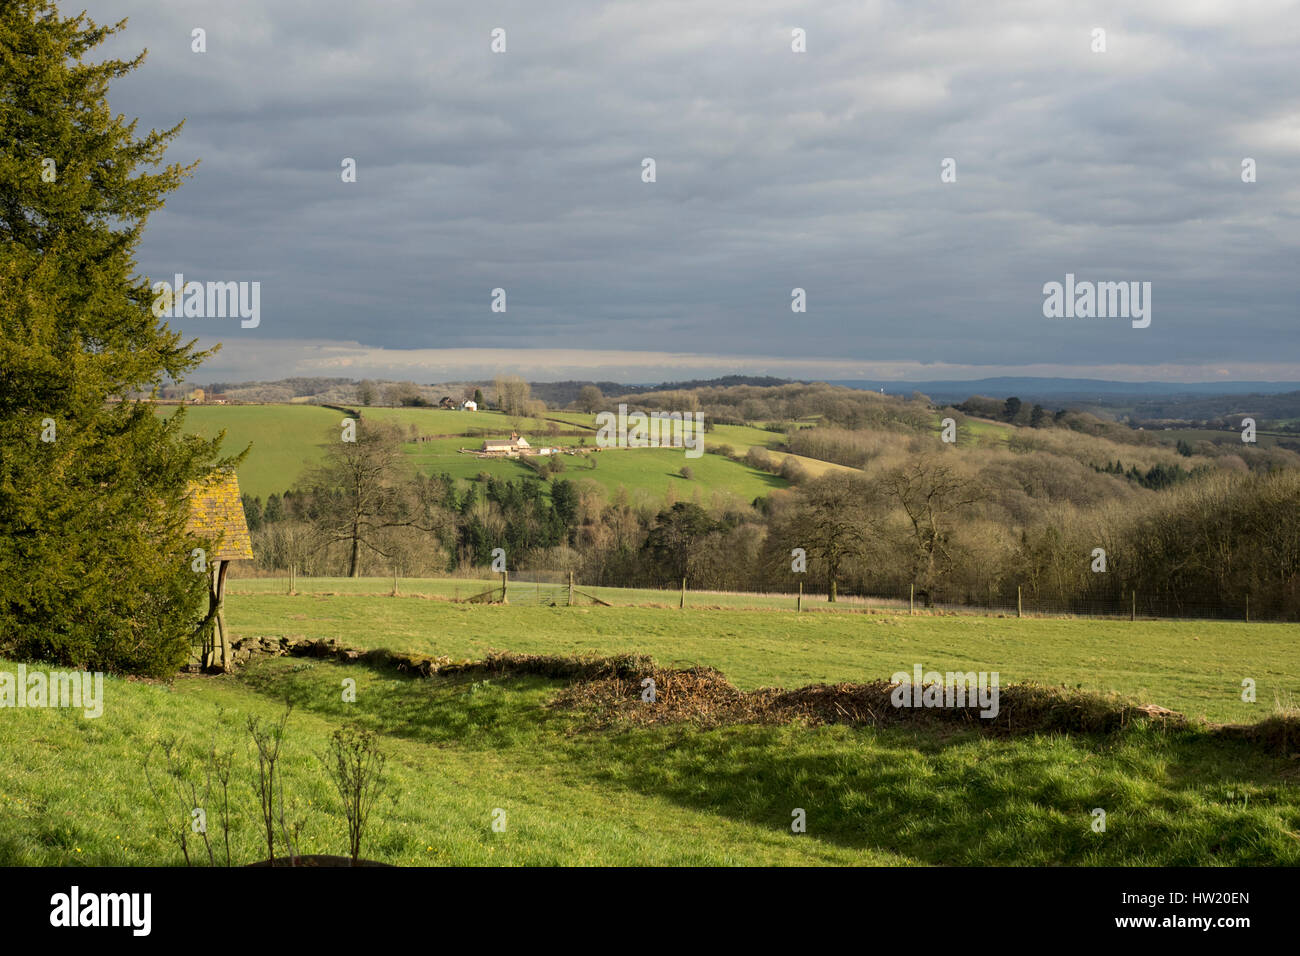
point(318, 391)
point(1069, 389)
point(1203, 403)
point(565, 393)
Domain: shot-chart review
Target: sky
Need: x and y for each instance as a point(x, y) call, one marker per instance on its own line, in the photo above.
point(774, 170)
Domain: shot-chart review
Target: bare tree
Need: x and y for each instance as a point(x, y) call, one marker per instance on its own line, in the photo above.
point(931, 495)
point(832, 520)
point(401, 393)
point(513, 394)
point(590, 399)
point(366, 494)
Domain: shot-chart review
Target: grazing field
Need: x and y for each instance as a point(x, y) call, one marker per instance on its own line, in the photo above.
point(1195, 667)
point(981, 431)
point(648, 470)
point(286, 440)
point(461, 748)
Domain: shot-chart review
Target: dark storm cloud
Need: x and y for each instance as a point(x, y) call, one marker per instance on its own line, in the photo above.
point(775, 170)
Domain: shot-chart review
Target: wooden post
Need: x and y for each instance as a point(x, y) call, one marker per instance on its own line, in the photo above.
point(911, 600)
point(1247, 607)
point(1133, 614)
point(221, 616)
point(207, 652)
point(798, 604)
point(570, 589)
point(682, 606)
point(215, 647)
point(394, 582)
point(1020, 605)
point(504, 582)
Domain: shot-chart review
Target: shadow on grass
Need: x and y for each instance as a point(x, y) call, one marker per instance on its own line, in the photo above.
point(958, 798)
point(468, 710)
point(1170, 799)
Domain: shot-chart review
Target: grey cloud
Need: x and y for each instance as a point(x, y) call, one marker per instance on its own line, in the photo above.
point(775, 170)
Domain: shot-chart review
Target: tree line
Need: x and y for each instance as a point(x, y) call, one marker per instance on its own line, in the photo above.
point(929, 525)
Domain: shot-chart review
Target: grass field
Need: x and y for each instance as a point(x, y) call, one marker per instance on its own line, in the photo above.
point(288, 439)
point(460, 748)
point(1195, 667)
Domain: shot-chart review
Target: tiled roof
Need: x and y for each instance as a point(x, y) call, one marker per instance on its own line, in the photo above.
point(215, 507)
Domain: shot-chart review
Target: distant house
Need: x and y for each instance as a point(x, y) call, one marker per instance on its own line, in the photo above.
point(514, 445)
point(196, 396)
point(470, 406)
point(447, 402)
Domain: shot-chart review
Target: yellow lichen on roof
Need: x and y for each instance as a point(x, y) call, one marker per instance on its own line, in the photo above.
point(215, 507)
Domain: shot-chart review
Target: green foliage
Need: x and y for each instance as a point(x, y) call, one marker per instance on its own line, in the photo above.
point(97, 568)
point(675, 541)
point(1157, 477)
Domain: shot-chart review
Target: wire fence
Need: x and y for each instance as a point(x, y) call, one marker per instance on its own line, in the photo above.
point(1022, 602)
point(561, 588)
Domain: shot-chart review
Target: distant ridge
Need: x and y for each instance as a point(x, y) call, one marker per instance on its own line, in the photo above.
point(1076, 389)
point(1024, 387)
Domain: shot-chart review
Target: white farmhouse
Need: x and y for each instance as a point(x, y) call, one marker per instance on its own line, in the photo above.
point(469, 406)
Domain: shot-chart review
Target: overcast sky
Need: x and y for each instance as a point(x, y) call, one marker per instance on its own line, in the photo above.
point(820, 170)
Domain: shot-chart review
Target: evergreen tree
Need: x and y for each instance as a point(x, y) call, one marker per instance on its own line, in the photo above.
point(253, 512)
point(96, 566)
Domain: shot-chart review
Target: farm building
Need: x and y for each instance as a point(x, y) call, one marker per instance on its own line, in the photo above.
point(470, 406)
point(514, 445)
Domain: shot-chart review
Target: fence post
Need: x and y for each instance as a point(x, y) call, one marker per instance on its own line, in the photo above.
point(1133, 614)
point(798, 604)
point(570, 589)
point(1247, 607)
point(682, 606)
point(504, 582)
point(1020, 607)
point(911, 599)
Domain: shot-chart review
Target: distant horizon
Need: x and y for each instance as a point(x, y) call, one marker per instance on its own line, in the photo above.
point(1064, 384)
point(241, 360)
